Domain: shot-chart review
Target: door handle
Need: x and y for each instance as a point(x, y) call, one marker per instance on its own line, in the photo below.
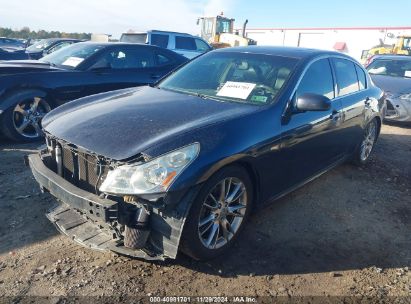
point(155, 76)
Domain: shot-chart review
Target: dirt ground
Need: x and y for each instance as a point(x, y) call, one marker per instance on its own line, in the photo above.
point(348, 233)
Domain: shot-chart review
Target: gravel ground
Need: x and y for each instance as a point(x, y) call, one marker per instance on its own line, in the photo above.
point(345, 234)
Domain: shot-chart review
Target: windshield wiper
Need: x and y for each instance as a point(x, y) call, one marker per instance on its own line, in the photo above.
point(196, 94)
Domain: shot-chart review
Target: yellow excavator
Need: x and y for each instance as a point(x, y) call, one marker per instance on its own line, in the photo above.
point(401, 47)
point(219, 32)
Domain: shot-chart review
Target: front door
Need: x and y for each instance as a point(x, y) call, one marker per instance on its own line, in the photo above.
point(311, 141)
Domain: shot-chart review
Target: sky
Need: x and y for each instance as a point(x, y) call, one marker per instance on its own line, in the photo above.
point(117, 16)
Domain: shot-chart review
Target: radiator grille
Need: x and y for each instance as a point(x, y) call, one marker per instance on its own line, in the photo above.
point(82, 169)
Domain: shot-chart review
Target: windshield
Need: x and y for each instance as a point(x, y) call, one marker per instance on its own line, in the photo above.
point(386, 67)
point(230, 76)
point(70, 57)
point(40, 45)
point(223, 25)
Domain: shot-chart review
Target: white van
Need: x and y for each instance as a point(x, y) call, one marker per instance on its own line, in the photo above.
point(184, 44)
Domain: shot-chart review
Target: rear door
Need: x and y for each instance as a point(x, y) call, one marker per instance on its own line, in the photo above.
point(352, 94)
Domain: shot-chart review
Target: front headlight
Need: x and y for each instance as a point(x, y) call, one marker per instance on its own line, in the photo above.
point(155, 176)
point(406, 97)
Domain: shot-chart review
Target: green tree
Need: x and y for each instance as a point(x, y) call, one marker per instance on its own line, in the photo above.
point(26, 33)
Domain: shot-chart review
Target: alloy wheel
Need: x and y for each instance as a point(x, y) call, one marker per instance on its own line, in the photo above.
point(222, 213)
point(27, 116)
point(369, 139)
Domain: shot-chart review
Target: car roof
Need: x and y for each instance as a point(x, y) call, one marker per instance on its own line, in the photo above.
point(296, 52)
point(393, 57)
point(160, 31)
point(170, 32)
point(106, 44)
point(62, 39)
point(112, 44)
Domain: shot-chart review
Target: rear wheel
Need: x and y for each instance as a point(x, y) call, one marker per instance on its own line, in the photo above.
point(22, 122)
point(367, 145)
point(218, 215)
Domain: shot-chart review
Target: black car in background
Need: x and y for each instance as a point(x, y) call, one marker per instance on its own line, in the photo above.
point(31, 88)
point(11, 43)
point(37, 50)
point(12, 54)
point(182, 164)
point(48, 46)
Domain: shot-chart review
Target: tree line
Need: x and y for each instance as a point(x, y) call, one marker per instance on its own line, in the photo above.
point(25, 33)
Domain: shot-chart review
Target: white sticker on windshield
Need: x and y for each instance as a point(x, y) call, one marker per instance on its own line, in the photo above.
point(234, 89)
point(379, 70)
point(73, 61)
point(407, 74)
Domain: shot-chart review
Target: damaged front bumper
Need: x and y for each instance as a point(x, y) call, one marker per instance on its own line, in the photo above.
point(397, 109)
point(95, 221)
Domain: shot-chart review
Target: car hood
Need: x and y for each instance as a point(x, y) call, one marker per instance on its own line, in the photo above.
point(121, 124)
point(393, 85)
point(24, 66)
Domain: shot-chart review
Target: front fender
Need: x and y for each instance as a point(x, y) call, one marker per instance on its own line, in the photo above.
point(12, 98)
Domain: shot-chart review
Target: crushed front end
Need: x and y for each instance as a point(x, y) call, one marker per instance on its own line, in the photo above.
point(398, 109)
point(129, 225)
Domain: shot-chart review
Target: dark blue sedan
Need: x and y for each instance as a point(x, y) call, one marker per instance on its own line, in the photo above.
point(30, 88)
point(180, 166)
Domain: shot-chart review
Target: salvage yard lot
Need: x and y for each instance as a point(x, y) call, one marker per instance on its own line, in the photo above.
point(346, 233)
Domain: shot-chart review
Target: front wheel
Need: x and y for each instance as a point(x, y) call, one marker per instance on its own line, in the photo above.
point(218, 214)
point(22, 122)
point(364, 150)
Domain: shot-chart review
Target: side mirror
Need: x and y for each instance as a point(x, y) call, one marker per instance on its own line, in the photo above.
point(312, 102)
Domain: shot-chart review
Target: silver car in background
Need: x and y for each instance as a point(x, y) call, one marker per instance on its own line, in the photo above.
point(392, 73)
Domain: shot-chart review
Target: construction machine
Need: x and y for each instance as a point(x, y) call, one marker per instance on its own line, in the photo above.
point(401, 47)
point(219, 32)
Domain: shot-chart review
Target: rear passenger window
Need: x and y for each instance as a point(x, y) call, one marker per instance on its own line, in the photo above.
point(317, 80)
point(159, 40)
point(346, 76)
point(361, 77)
point(185, 43)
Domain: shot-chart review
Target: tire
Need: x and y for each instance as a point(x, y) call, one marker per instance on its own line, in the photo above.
point(364, 149)
point(209, 214)
point(22, 121)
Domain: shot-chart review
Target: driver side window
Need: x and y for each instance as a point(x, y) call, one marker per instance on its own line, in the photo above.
point(317, 80)
point(126, 59)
